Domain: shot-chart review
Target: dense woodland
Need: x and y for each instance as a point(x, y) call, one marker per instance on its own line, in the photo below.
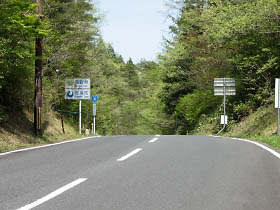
point(209, 38)
point(74, 48)
point(220, 38)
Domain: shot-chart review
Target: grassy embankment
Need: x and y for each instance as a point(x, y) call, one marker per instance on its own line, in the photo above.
point(258, 126)
point(18, 133)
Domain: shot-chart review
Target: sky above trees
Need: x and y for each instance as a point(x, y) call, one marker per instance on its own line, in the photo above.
point(134, 28)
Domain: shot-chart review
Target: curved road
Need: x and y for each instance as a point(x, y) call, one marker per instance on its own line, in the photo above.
point(142, 173)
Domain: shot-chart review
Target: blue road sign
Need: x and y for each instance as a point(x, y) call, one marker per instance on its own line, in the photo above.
point(94, 99)
point(70, 94)
point(77, 94)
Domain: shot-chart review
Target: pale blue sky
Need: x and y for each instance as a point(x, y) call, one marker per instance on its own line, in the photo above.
point(134, 27)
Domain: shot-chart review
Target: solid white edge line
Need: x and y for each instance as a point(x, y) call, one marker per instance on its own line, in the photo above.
point(215, 136)
point(129, 154)
point(257, 144)
point(262, 146)
point(47, 145)
point(153, 140)
point(53, 194)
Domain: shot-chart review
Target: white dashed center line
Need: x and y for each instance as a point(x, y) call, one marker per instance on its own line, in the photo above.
point(153, 140)
point(53, 194)
point(129, 154)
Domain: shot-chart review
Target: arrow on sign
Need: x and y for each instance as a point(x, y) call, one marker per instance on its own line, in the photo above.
point(70, 94)
point(94, 99)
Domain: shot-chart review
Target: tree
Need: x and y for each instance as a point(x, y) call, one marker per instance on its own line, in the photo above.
point(222, 38)
point(19, 28)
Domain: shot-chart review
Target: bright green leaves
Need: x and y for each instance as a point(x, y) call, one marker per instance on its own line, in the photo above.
point(18, 18)
point(73, 48)
point(227, 20)
point(221, 38)
point(20, 25)
point(192, 106)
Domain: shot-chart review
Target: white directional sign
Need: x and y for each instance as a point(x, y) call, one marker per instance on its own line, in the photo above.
point(77, 89)
point(224, 86)
point(228, 82)
point(228, 91)
point(77, 83)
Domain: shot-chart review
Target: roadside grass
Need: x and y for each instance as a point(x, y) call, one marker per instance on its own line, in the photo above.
point(263, 122)
point(259, 126)
point(18, 132)
point(272, 140)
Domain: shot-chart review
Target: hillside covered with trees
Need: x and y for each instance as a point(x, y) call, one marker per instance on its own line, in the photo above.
point(216, 39)
point(73, 48)
point(173, 95)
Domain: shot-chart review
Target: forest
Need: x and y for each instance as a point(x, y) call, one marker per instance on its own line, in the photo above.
point(215, 39)
point(172, 95)
point(73, 48)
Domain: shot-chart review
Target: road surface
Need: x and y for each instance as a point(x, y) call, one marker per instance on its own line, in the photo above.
point(142, 173)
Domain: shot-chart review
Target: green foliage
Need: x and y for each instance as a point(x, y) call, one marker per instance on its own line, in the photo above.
point(217, 38)
point(221, 38)
point(1, 77)
point(129, 103)
point(19, 28)
point(74, 48)
point(192, 106)
point(253, 47)
point(259, 126)
point(131, 74)
point(242, 110)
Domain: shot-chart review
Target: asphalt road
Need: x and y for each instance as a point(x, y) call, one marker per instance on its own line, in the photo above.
point(142, 173)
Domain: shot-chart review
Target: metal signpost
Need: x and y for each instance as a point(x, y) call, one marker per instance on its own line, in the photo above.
point(94, 100)
point(78, 89)
point(224, 87)
point(277, 101)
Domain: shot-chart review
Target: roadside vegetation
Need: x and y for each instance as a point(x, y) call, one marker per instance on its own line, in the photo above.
point(18, 133)
point(73, 48)
point(174, 95)
point(217, 39)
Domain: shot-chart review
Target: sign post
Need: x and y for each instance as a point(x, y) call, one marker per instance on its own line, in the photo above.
point(80, 116)
point(78, 89)
point(93, 125)
point(94, 100)
point(277, 101)
point(224, 87)
point(94, 115)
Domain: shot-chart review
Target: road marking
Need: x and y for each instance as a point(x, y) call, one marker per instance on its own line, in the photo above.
point(53, 194)
point(216, 136)
point(153, 140)
point(129, 154)
point(262, 146)
point(257, 144)
point(48, 145)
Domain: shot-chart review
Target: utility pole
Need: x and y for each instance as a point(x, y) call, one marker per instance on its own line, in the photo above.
point(38, 78)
